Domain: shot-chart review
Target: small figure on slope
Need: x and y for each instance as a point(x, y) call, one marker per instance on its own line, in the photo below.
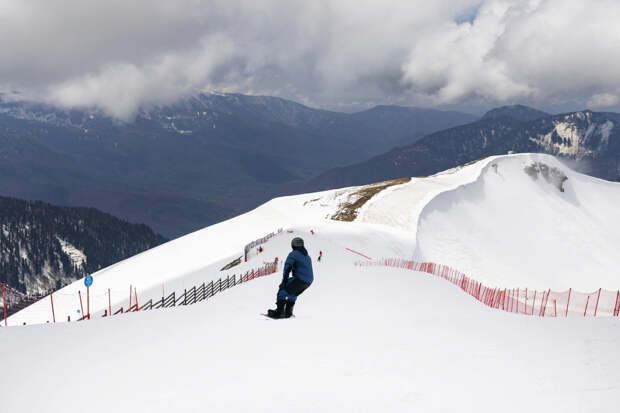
point(320, 256)
point(299, 263)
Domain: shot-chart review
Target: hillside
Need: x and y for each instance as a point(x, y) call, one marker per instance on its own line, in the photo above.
point(499, 196)
point(45, 247)
point(378, 338)
point(206, 158)
point(590, 140)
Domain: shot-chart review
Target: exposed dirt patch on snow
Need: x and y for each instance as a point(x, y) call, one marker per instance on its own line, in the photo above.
point(232, 264)
point(348, 210)
point(551, 174)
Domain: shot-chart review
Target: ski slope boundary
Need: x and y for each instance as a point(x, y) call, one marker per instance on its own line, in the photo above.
point(548, 303)
point(193, 295)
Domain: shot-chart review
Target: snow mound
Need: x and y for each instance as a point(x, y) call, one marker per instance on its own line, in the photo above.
point(527, 220)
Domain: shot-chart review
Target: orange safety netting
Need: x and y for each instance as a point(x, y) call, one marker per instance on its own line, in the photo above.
point(518, 300)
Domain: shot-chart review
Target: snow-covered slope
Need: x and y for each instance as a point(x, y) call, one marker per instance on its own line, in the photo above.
point(518, 220)
point(530, 222)
point(364, 338)
point(523, 220)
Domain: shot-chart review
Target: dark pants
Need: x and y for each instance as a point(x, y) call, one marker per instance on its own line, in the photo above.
point(293, 288)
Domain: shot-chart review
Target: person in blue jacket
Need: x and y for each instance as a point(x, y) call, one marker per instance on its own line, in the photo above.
point(299, 264)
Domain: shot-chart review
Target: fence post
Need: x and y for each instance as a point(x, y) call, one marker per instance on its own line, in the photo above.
point(185, 296)
point(135, 291)
point(598, 296)
point(81, 306)
point(567, 302)
point(525, 310)
point(616, 304)
point(494, 298)
point(109, 302)
point(546, 300)
point(586, 309)
point(518, 296)
point(52, 300)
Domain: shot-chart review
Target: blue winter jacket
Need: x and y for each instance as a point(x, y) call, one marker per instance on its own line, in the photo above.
point(299, 262)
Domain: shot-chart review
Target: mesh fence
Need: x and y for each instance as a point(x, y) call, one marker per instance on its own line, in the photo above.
point(12, 300)
point(199, 292)
point(548, 303)
point(247, 250)
point(187, 296)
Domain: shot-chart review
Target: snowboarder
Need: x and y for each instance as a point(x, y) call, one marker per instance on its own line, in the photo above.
point(299, 263)
point(320, 256)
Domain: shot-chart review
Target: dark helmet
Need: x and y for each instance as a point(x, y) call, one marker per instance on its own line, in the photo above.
point(297, 242)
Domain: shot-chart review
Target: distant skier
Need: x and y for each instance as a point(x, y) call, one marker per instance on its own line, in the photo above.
point(299, 263)
point(320, 256)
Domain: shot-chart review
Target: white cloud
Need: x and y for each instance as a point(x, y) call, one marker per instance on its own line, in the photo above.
point(603, 100)
point(543, 50)
point(120, 89)
point(119, 55)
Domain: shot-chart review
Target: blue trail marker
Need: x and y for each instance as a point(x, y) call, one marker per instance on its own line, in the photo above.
point(88, 281)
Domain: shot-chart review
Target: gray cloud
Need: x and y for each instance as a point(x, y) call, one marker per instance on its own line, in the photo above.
point(119, 55)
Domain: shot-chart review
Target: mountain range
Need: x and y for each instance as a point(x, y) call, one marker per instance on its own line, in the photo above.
point(209, 157)
point(589, 140)
point(181, 167)
point(45, 247)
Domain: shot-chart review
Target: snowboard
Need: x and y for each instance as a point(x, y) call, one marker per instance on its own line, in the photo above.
point(276, 318)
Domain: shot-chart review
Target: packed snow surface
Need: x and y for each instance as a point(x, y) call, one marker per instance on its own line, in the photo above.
point(364, 338)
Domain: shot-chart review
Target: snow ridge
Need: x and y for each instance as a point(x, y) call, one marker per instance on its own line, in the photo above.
point(508, 228)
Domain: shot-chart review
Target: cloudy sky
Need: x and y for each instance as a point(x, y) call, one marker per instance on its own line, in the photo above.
point(118, 55)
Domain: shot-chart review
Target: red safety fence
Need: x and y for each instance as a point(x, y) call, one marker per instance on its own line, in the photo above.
point(13, 300)
point(548, 303)
point(186, 297)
